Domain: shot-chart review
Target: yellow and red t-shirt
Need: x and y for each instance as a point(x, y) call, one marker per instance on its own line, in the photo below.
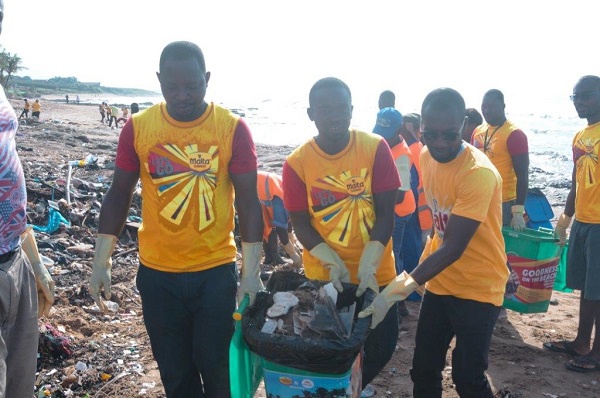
point(468, 186)
point(36, 106)
point(337, 191)
point(500, 144)
point(586, 148)
point(185, 167)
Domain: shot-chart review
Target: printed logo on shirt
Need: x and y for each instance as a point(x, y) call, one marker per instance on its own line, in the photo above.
point(585, 153)
point(185, 179)
point(200, 161)
point(355, 185)
point(440, 217)
point(343, 205)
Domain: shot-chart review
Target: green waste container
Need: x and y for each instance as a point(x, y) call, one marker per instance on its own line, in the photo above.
point(560, 283)
point(533, 256)
point(245, 367)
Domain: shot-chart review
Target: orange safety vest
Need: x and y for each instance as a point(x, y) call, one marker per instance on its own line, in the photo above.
point(268, 186)
point(408, 205)
point(424, 212)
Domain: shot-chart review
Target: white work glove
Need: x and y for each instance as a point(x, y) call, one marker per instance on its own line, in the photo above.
point(425, 233)
point(329, 259)
point(100, 279)
point(251, 282)
point(368, 265)
point(397, 290)
point(43, 280)
point(290, 249)
point(560, 231)
point(293, 239)
point(517, 222)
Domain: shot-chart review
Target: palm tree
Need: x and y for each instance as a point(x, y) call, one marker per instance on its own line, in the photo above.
point(3, 64)
point(13, 66)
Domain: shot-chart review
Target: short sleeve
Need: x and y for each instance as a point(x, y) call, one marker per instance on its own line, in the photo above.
point(127, 158)
point(517, 143)
point(243, 158)
point(385, 174)
point(294, 190)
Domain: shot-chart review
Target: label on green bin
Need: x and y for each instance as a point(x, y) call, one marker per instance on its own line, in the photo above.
point(534, 283)
point(533, 257)
point(286, 382)
point(288, 385)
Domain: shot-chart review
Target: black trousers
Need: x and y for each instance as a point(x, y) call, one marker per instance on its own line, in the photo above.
point(440, 320)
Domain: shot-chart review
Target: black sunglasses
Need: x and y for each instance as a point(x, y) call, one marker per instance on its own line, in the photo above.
point(583, 96)
point(431, 136)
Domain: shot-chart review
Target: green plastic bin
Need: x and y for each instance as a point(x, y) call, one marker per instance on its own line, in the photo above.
point(245, 367)
point(533, 256)
point(560, 283)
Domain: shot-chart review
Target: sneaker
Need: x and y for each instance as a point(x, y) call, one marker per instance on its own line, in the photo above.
point(368, 391)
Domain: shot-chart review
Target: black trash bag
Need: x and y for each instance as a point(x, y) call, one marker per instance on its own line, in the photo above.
point(318, 355)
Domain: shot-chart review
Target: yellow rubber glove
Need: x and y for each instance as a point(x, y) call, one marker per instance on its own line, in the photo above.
point(368, 265)
point(250, 283)
point(397, 290)
point(517, 222)
point(43, 280)
point(100, 280)
point(329, 259)
point(560, 231)
point(290, 249)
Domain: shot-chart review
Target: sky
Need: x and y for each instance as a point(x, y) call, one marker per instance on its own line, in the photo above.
point(531, 50)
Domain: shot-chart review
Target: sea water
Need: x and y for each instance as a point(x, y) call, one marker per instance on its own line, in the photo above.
point(550, 125)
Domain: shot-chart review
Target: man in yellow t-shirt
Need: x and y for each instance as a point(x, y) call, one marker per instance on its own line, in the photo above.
point(190, 156)
point(25, 109)
point(506, 146)
point(583, 202)
point(35, 108)
point(464, 264)
point(340, 189)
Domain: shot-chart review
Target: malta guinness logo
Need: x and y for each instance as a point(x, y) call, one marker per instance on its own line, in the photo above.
point(355, 185)
point(200, 161)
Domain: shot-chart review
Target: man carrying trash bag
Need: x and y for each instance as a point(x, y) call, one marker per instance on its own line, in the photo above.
point(340, 188)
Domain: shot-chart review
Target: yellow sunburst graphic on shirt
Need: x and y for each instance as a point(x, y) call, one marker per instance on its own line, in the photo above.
point(588, 160)
point(186, 179)
point(343, 203)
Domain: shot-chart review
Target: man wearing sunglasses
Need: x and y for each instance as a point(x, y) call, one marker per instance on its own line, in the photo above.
point(506, 146)
point(583, 202)
point(464, 263)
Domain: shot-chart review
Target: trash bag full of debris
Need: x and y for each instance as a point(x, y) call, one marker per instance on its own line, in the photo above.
point(324, 347)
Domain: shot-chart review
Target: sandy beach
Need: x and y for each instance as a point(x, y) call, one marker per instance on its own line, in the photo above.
point(114, 349)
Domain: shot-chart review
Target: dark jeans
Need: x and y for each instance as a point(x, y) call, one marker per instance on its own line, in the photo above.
point(188, 319)
point(441, 318)
point(380, 345)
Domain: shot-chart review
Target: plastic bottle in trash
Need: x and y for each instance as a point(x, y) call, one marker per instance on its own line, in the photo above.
point(89, 159)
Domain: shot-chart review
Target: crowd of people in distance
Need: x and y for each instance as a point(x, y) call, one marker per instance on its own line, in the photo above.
point(110, 114)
